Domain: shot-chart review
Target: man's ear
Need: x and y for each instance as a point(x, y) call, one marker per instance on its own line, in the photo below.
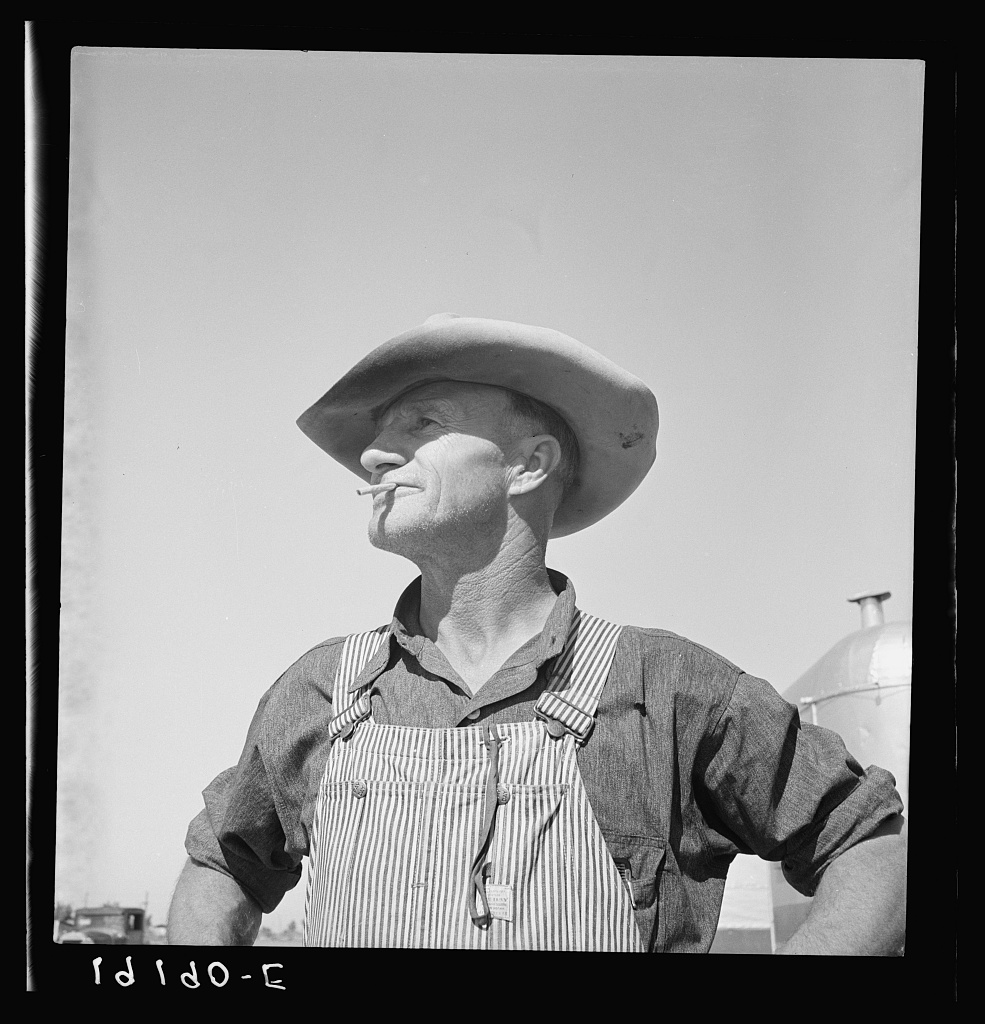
point(534, 461)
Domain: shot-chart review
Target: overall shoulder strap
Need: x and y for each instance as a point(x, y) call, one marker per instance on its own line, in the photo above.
point(572, 696)
point(350, 708)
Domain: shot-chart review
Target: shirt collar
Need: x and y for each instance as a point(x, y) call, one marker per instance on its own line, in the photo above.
point(405, 630)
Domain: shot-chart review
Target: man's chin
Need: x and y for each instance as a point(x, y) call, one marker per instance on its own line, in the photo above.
point(397, 542)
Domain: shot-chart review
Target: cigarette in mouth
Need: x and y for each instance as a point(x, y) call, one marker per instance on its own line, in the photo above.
point(376, 489)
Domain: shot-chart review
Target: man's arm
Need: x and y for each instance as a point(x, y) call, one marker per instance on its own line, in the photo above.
point(210, 909)
point(859, 908)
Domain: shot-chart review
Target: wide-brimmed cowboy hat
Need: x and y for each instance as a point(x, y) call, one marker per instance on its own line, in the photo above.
point(612, 413)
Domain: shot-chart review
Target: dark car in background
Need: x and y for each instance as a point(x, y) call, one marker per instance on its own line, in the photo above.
point(104, 926)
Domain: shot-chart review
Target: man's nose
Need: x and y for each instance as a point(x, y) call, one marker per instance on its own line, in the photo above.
point(379, 457)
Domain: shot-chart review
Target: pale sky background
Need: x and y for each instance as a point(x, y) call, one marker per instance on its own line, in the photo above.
point(740, 233)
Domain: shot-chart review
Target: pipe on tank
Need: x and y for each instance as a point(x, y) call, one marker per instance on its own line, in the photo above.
point(870, 604)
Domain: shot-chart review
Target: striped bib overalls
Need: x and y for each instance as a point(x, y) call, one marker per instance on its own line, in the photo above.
point(479, 837)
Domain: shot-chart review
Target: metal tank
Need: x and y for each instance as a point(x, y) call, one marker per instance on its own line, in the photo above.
point(861, 690)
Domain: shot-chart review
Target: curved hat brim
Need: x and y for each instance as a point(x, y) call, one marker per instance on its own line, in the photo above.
point(612, 413)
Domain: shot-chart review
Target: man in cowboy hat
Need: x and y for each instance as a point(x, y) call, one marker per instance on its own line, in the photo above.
point(497, 768)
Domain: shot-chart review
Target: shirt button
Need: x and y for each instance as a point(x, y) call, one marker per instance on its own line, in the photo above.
point(359, 789)
point(502, 794)
point(474, 714)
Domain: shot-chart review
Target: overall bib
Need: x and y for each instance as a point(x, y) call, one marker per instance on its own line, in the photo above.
point(469, 838)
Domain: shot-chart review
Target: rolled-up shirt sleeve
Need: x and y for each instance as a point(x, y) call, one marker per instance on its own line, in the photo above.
point(255, 825)
point(788, 791)
point(240, 834)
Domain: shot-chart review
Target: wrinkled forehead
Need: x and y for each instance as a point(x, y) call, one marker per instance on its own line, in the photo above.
point(453, 397)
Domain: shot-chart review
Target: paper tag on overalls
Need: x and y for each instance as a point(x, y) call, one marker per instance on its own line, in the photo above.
point(500, 900)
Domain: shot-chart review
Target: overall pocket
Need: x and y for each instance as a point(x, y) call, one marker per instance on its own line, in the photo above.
point(639, 862)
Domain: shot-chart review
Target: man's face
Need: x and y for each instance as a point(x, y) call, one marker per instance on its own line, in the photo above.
point(445, 445)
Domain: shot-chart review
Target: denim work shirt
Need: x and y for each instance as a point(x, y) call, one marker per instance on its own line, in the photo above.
point(691, 761)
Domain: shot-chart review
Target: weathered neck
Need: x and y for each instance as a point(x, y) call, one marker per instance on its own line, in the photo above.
point(479, 619)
